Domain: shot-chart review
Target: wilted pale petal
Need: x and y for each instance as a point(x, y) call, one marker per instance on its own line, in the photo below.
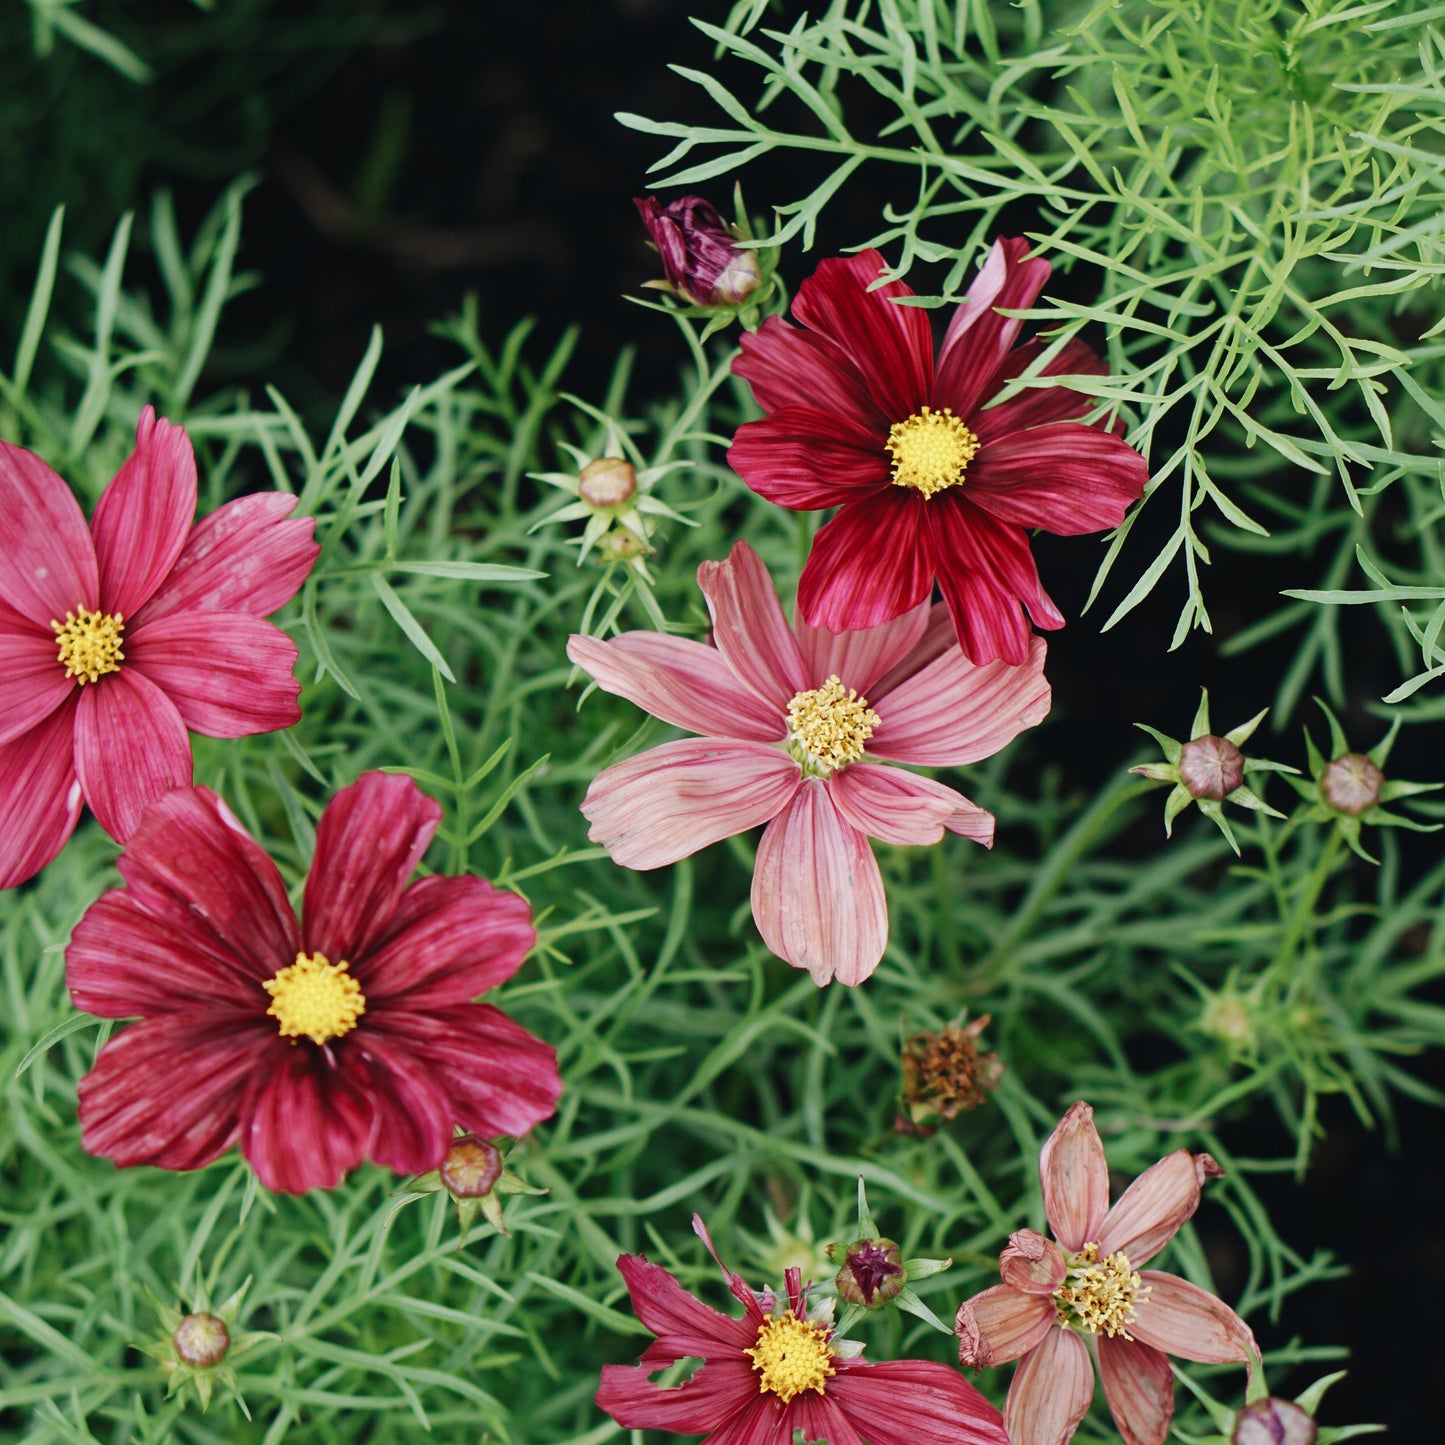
point(1183, 1320)
point(1032, 1262)
point(1000, 1324)
point(1139, 1387)
point(1075, 1179)
point(1051, 1391)
point(1151, 1210)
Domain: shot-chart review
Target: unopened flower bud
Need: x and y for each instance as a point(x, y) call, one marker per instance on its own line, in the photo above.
point(201, 1341)
point(699, 257)
point(1273, 1422)
point(1351, 784)
point(1210, 767)
point(607, 482)
point(872, 1273)
point(472, 1168)
point(621, 545)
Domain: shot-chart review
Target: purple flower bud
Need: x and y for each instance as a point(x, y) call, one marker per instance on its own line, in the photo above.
point(471, 1168)
point(699, 258)
point(201, 1341)
point(1351, 784)
point(607, 482)
point(872, 1273)
point(1210, 767)
point(1273, 1422)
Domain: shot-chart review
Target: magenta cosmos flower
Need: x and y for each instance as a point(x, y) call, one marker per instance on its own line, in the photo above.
point(931, 482)
point(776, 1370)
point(1061, 1302)
point(352, 1035)
point(117, 638)
point(789, 718)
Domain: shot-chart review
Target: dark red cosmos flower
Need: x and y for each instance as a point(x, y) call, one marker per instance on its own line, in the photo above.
point(118, 637)
point(353, 1035)
point(931, 482)
point(777, 1370)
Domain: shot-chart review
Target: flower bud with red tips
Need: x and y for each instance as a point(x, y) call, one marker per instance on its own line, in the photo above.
point(1274, 1422)
point(872, 1273)
point(700, 257)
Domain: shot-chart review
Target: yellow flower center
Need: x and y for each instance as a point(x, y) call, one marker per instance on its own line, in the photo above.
point(315, 998)
point(1099, 1295)
point(790, 1356)
point(89, 643)
point(930, 450)
point(828, 727)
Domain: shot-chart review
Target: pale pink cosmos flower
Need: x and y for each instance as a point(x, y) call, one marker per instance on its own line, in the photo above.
point(790, 719)
point(117, 638)
point(1060, 1302)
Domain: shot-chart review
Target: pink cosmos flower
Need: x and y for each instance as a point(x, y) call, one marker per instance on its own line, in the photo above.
point(789, 718)
point(117, 638)
point(315, 1046)
point(1060, 1302)
point(776, 1370)
point(931, 482)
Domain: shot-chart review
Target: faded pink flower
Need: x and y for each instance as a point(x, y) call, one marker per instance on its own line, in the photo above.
point(790, 718)
point(776, 1370)
point(1086, 1293)
point(118, 637)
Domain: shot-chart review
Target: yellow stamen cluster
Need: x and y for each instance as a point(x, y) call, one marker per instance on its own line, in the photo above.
point(1099, 1295)
point(829, 726)
point(315, 998)
point(931, 450)
point(790, 1356)
point(89, 643)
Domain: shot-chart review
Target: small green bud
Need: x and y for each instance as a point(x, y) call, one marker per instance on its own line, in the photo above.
point(1351, 784)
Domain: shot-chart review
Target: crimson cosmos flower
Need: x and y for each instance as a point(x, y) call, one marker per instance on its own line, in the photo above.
point(1086, 1294)
point(777, 1370)
point(117, 638)
point(931, 482)
point(789, 717)
point(352, 1035)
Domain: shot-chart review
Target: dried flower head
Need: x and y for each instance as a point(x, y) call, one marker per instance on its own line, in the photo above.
point(946, 1074)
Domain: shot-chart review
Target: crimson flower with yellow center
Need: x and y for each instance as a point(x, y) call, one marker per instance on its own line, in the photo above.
point(777, 1370)
point(791, 718)
point(118, 638)
point(352, 1035)
point(933, 483)
point(1083, 1293)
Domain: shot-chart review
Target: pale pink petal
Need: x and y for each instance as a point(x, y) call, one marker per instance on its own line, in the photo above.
point(1066, 478)
point(1000, 1324)
point(39, 796)
point(1075, 1179)
point(1139, 1387)
point(893, 343)
point(303, 1125)
point(35, 683)
point(1182, 1319)
point(817, 893)
point(914, 1402)
point(899, 807)
point(681, 1320)
point(666, 803)
point(1149, 1213)
point(168, 1091)
point(1051, 1391)
point(937, 637)
point(1038, 405)
point(790, 366)
point(1032, 1262)
point(48, 567)
point(714, 1394)
point(954, 712)
point(228, 673)
point(448, 940)
point(244, 557)
point(749, 627)
point(870, 564)
point(191, 866)
point(131, 748)
point(685, 683)
point(144, 516)
point(369, 842)
point(978, 339)
point(860, 657)
point(806, 459)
